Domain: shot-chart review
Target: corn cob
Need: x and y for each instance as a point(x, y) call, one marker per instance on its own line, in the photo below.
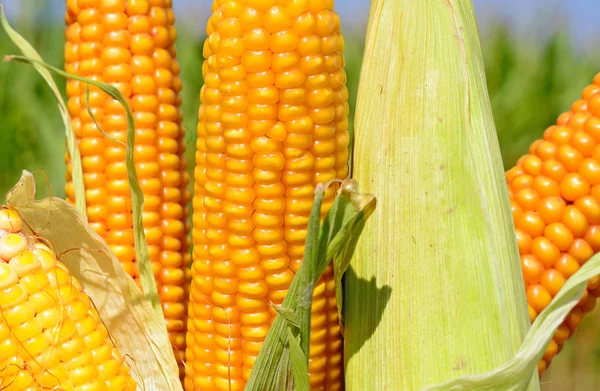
point(51, 335)
point(272, 125)
point(131, 45)
point(555, 193)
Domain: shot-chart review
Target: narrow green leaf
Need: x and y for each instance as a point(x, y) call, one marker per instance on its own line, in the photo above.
point(341, 228)
point(341, 261)
point(77, 170)
point(272, 370)
point(339, 214)
point(137, 196)
point(515, 374)
point(299, 363)
point(268, 372)
point(342, 239)
point(288, 314)
point(306, 272)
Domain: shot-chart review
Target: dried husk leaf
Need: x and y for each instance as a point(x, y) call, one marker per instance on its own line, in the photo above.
point(137, 330)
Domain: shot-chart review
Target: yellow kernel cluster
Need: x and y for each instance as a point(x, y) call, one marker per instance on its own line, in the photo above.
point(555, 197)
point(273, 124)
point(51, 337)
point(131, 45)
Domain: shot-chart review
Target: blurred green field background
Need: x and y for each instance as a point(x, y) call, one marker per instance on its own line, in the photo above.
point(529, 86)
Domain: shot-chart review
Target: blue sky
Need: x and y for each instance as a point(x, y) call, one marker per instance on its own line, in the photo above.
point(535, 18)
point(531, 19)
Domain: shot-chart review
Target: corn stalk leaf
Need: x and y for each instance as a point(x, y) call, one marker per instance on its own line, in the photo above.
point(137, 196)
point(276, 366)
point(72, 146)
point(515, 374)
point(344, 209)
point(299, 363)
point(266, 372)
point(138, 332)
point(314, 251)
point(288, 314)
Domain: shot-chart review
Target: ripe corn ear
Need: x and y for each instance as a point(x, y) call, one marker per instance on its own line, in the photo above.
point(555, 193)
point(131, 45)
point(273, 124)
point(52, 336)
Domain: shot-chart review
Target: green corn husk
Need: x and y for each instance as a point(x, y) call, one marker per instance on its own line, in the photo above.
point(435, 290)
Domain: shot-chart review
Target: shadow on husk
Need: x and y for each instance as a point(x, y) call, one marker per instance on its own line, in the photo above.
point(374, 297)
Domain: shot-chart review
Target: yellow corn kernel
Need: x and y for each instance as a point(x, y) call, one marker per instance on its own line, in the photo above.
point(555, 197)
point(43, 337)
point(131, 45)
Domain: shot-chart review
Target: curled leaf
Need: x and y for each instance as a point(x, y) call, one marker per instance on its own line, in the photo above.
point(77, 170)
point(142, 257)
point(299, 363)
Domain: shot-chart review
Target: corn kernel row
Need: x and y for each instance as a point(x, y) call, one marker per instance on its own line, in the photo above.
point(131, 45)
point(555, 197)
point(272, 125)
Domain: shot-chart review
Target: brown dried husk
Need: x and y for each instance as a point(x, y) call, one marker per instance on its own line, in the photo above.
point(137, 330)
